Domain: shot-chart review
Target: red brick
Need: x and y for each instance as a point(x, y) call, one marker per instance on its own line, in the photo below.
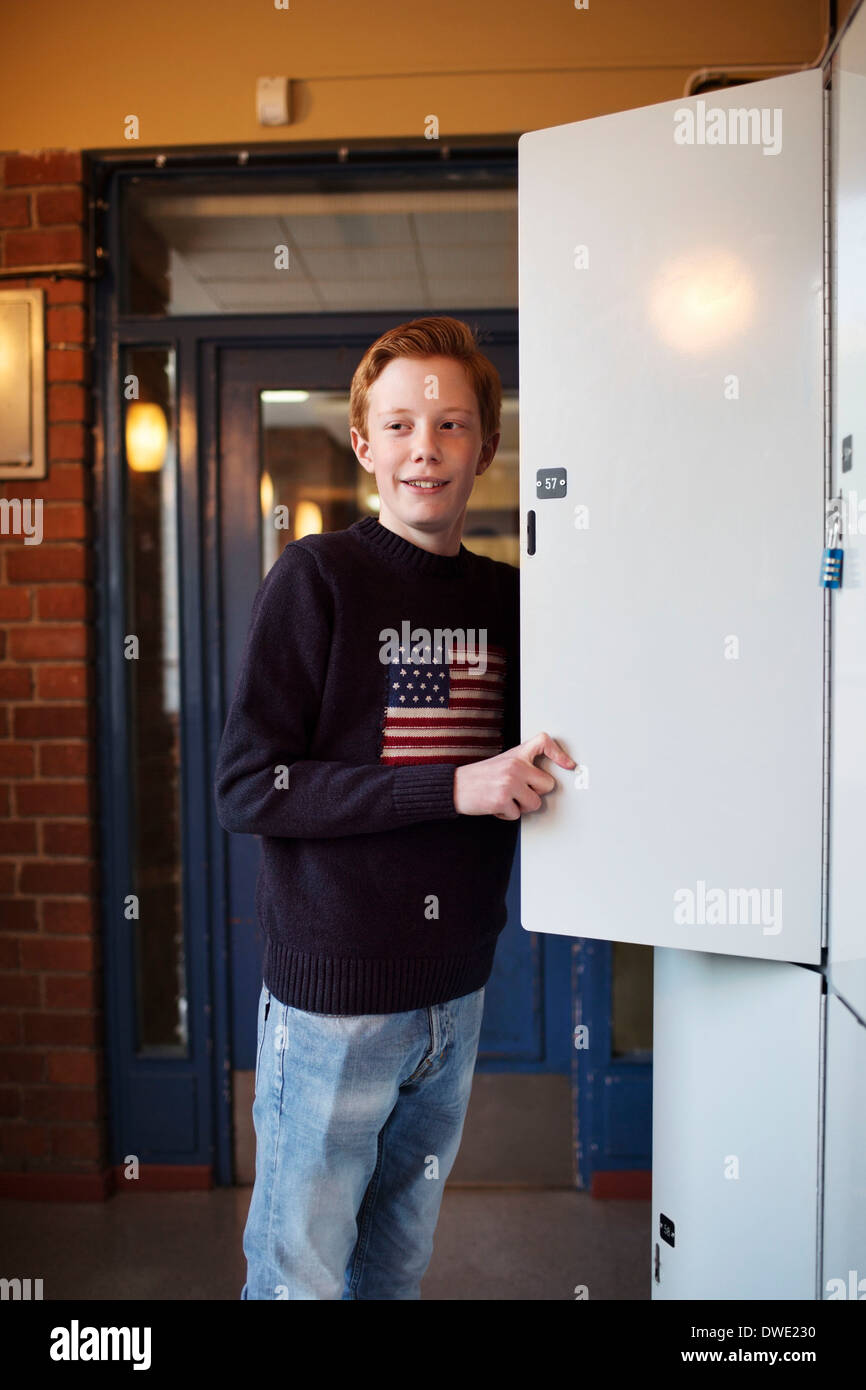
point(47, 798)
point(5, 799)
point(76, 1141)
point(14, 604)
point(18, 991)
point(18, 914)
point(17, 837)
point(69, 839)
point(55, 953)
point(58, 1103)
point(14, 210)
point(67, 323)
point(66, 482)
point(21, 1066)
point(44, 246)
point(58, 682)
point(59, 601)
point(65, 760)
point(66, 521)
point(24, 1141)
point(72, 1068)
point(66, 442)
point(16, 760)
point(72, 1030)
point(68, 402)
point(43, 166)
point(37, 642)
point(66, 364)
point(16, 682)
point(76, 918)
point(52, 721)
point(8, 952)
point(60, 205)
point(70, 992)
point(57, 879)
point(65, 291)
point(10, 1096)
point(31, 564)
point(7, 879)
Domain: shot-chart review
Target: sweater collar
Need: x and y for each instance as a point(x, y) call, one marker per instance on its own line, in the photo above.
point(405, 555)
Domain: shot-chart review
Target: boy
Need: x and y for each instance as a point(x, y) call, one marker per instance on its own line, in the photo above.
point(373, 744)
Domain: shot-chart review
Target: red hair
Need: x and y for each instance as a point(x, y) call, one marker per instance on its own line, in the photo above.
point(429, 337)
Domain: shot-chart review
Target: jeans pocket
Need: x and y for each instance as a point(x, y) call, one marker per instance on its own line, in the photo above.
point(264, 1010)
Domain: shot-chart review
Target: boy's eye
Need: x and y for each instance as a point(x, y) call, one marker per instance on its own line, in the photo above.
point(395, 424)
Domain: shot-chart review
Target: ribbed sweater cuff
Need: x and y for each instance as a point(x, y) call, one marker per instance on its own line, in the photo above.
point(424, 793)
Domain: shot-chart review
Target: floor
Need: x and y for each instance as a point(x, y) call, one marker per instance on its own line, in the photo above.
point(494, 1244)
point(512, 1225)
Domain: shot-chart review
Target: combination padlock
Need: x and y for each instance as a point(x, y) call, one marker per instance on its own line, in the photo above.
point(831, 567)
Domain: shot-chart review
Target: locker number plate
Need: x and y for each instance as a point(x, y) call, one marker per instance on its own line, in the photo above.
point(550, 482)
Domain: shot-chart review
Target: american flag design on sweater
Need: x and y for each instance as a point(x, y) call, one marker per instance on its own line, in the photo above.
point(444, 712)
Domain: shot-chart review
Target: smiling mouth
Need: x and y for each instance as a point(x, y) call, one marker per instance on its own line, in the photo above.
point(424, 486)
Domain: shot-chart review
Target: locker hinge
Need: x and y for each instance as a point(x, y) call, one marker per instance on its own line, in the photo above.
point(822, 1094)
point(828, 260)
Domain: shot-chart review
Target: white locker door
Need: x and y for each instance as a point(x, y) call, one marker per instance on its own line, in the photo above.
point(847, 936)
point(844, 1245)
point(671, 422)
point(736, 1108)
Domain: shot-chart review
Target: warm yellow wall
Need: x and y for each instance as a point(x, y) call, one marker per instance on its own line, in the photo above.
point(71, 70)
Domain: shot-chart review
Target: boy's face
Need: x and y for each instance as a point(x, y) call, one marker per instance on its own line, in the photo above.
point(423, 423)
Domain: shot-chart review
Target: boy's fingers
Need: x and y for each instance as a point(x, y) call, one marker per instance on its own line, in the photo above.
point(564, 759)
point(543, 745)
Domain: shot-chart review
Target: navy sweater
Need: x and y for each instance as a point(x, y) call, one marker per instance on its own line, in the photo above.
point(339, 750)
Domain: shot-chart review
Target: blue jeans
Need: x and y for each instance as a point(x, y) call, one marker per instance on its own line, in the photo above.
point(358, 1120)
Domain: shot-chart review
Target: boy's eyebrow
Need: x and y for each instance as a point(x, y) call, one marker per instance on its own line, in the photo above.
point(452, 409)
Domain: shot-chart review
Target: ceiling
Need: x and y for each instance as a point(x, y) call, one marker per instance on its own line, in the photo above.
point(422, 251)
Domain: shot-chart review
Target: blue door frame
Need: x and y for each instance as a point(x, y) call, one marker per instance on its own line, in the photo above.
point(177, 1111)
point(611, 1094)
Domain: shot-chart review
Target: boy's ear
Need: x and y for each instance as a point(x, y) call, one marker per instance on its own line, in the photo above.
point(485, 458)
point(361, 448)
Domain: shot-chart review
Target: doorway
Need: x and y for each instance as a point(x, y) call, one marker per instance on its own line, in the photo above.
point(249, 371)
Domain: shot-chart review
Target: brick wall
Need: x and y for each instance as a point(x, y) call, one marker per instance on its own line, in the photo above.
point(52, 1101)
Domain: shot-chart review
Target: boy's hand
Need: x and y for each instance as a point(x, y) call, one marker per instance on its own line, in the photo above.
point(510, 783)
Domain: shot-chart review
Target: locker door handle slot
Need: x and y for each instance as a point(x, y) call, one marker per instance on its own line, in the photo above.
point(530, 532)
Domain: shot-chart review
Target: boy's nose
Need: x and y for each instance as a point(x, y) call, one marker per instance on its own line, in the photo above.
point(426, 446)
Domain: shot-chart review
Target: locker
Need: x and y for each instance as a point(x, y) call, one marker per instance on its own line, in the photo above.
point(671, 363)
point(692, 360)
point(736, 1101)
point(844, 1198)
point(847, 880)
